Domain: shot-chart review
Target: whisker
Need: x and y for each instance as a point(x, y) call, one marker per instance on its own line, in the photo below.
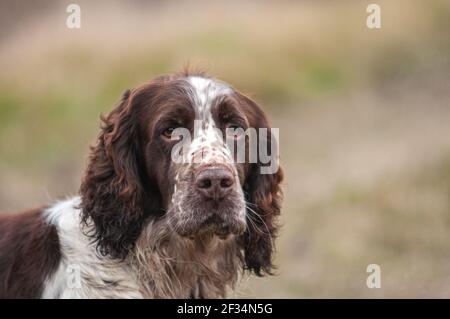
point(263, 222)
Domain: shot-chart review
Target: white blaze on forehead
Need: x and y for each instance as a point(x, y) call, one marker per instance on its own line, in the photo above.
point(205, 91)
point(207, 145)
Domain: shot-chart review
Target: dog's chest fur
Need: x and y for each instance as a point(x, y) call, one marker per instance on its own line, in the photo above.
point(162, 265)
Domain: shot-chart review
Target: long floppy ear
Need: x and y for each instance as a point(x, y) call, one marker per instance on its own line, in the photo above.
point(112, 194)
point(264, 195)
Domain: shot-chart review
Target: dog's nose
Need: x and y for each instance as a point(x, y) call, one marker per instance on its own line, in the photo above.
point(214, 183)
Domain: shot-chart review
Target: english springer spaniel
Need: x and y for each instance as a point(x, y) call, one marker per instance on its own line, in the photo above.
point(146, 225)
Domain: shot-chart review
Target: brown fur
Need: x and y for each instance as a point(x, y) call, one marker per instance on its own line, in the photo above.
point(29, 253)
point(265, 196)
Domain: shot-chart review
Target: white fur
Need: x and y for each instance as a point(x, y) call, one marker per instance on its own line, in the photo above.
point(82, 273)
point(208, 145)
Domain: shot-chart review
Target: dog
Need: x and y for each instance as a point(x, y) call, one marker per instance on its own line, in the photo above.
point(151, 222)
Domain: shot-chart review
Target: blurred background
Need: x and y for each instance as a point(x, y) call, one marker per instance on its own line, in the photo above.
point(364, 118)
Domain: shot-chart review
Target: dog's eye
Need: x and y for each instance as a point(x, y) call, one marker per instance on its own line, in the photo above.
point(233, 126)
point(234, 130)
point(167, 133)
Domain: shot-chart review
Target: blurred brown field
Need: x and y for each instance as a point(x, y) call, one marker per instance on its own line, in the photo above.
point(364, 118)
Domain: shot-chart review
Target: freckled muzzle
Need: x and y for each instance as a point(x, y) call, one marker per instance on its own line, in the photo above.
point(208, 199)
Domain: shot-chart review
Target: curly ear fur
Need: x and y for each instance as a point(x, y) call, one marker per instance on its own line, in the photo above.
point(264, 196)
point(112, 193)
point(263, 192)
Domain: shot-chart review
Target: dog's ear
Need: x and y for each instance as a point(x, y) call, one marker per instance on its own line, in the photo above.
point(112, 194)
point(263, 196)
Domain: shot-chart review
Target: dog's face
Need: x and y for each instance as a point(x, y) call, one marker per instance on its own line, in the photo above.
point(187, 156)
point(176, 149)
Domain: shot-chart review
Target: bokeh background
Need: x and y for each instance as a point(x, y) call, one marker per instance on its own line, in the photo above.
point(364, 118)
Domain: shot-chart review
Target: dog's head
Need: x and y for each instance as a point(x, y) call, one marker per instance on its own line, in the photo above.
point(186, 149)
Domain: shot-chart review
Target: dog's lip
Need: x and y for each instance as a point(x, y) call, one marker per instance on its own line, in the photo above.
point(215, 224)
point(213, 219)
